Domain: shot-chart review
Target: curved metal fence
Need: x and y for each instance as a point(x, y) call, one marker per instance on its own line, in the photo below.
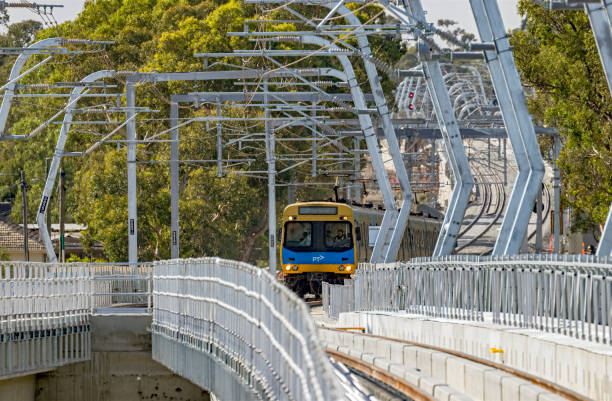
point(233, 329)
point(566, 294)
point(44, 316)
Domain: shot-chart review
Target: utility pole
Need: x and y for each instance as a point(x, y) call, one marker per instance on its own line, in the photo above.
point(62, 214)
point(47, 165)
point(24, 209)
point(270, 155)
point(291, 190)
point(538, 244)
point(557, 195)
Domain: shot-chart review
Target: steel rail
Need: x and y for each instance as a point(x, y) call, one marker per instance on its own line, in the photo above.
point(485, 205)
point(499, 209)
point(548, 385)
point(381, 375)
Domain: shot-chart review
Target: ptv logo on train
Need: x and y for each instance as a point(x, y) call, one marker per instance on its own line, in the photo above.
point(318, 258)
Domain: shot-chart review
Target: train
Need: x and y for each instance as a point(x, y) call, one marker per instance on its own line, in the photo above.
point(326, 241)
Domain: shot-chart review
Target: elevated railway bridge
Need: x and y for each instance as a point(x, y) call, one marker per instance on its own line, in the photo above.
point(499, 327)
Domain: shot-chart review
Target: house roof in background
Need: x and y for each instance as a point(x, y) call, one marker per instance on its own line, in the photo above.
point(11, 238)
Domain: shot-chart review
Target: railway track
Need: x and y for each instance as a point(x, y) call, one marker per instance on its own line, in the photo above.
point(491, 192)
point(378, 360)
point(382, 384)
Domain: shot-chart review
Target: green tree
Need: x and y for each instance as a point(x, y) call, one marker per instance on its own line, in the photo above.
point(558, 60)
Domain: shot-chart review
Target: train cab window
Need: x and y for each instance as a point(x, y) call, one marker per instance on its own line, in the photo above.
point(338, 236)
point(298, 234)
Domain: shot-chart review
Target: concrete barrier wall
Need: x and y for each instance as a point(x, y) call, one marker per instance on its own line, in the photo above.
point(580, 366)
point(439, 374)
point(21, 388)
point(121, 369)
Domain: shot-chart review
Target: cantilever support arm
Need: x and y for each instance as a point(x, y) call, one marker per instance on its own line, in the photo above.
point(57, 159)
point(15, 76)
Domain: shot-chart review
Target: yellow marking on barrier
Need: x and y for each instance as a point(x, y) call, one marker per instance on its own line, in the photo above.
point(362, 329)
point(497, 350)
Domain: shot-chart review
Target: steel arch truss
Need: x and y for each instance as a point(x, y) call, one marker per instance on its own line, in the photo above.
point(445, 113)
point(518, 123)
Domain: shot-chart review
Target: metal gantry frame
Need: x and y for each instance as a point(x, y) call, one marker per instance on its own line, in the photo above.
point(43, 209)
point(394, 222)
point(504, 77)
point(365, 121)
point(131, 80)
point(270, 129)
point(518, 123)
point(452, 140)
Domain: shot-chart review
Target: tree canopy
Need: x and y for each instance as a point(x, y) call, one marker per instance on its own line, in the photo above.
point(558, 60)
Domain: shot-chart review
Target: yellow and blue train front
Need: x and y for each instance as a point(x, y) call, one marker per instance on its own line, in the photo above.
point(339, 262)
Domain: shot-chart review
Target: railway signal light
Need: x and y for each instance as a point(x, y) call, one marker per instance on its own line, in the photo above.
point(410, 106)
point(411, 95)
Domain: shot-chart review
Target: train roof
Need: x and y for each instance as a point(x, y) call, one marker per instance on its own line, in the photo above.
point(342, 207)
point(364, 211)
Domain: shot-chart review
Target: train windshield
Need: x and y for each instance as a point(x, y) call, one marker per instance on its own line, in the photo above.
point(318, 236)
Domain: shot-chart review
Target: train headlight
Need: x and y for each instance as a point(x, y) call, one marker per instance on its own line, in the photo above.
point(348, 268)
point(288, 267)
point(341, 268)
point(295, 268)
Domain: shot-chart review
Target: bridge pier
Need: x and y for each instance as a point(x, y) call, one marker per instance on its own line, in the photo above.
point(121, 368)
point(21, 388)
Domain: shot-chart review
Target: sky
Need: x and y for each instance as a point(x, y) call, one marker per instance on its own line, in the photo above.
point(457, 10)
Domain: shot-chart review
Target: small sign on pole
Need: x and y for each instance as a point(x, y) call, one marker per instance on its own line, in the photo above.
point(372, 235)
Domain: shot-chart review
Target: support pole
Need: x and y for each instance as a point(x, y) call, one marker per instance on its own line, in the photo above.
point(270, 155)
point(24, 212)
point(432, 165)
point(291, 191)
point(15, 75)
point(219, 143)
point(47, 168)
point(356, 171)
point(602, 30)
point(131, 176)
point(399, 220)
point(557, 194)
point(62, 215)
point(174, 181)
point(314, 141)
point(538, 241)
point(365, 121)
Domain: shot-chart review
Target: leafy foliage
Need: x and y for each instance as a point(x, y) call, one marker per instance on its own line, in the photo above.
point(557, 57)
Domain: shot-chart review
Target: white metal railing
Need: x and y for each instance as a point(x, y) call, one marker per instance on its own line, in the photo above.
point(45, 309)
point(343, 296)
point(44, 316)
point(566, 294)
point(115, 285)
point(233, 329)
